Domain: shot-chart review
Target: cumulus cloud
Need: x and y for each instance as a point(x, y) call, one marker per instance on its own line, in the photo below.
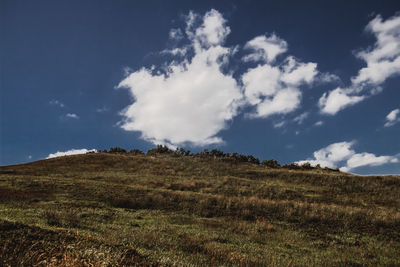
point(382, 61)
point(193, 100)
point(341, 155)
point(72, 116)
point(284, 101)
point(392, 118)
point(261, 81)
point(367, 159)
point(265, 48)
point(336, 100)
point(331, 155)
point(296, 73)
point(70, 152)
point(213, 30)
point(274, 88)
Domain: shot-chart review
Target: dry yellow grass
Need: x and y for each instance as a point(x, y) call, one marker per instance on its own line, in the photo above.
point(121, 209)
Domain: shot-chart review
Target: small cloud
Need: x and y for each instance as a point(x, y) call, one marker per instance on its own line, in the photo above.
point(102, 110)
point(367, 159)
point(336, 100)
point(127, 71)
point(56, 103)
point(30, 157)
point(274, 87)
point(175, 34)
point(70, 152)
point(178, 51)
point(328, 78)
point(265, 48)
point(341, 155)
point(72, 116)
point(279, 124)
point(392, 118)
point(318, 123)
point(299, 119)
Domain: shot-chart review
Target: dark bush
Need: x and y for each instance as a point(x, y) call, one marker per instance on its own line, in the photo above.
point(182, 152)
point(243, 158)
point(116, 150)
point(253, 159)
point(217, 153)
point(292, 166)
point(307, 166)
point(160, 149)
point(135, 151)
point(271, 163)
point(204, 153)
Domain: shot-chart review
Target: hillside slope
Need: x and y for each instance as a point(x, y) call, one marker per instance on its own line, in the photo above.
point(120, 209)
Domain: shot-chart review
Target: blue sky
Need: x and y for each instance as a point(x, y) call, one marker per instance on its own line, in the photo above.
point(276, 79)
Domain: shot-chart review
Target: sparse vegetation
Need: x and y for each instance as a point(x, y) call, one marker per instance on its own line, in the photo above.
point(213, 208)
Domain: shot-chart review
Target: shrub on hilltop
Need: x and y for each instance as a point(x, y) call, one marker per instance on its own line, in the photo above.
point(160, 149)
point(271, 163)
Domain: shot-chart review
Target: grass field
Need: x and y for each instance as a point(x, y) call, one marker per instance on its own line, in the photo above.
point(103, 209)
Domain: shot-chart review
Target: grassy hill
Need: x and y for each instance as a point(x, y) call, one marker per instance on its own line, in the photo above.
point(120, 209)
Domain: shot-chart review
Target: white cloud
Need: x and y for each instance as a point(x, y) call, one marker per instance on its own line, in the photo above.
point(56, 103)
point(274, 88)
point(296, 73)
point(331, 155)
point(213, 31)
point(328, 78)
point(284, 101)
point(72, 116)
point(265, 48)
point(382, 59)
point(193, 101)
point(336, 100)
point(367, 159)
point(102, 110)
point(70, 152)
point(176, 34)
point(319, 123)
point(299, 119)
point(341, 155)
point(189, 100)
point(279, 124)
point(261, 81)
point(178, 51)
point(392, 118)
